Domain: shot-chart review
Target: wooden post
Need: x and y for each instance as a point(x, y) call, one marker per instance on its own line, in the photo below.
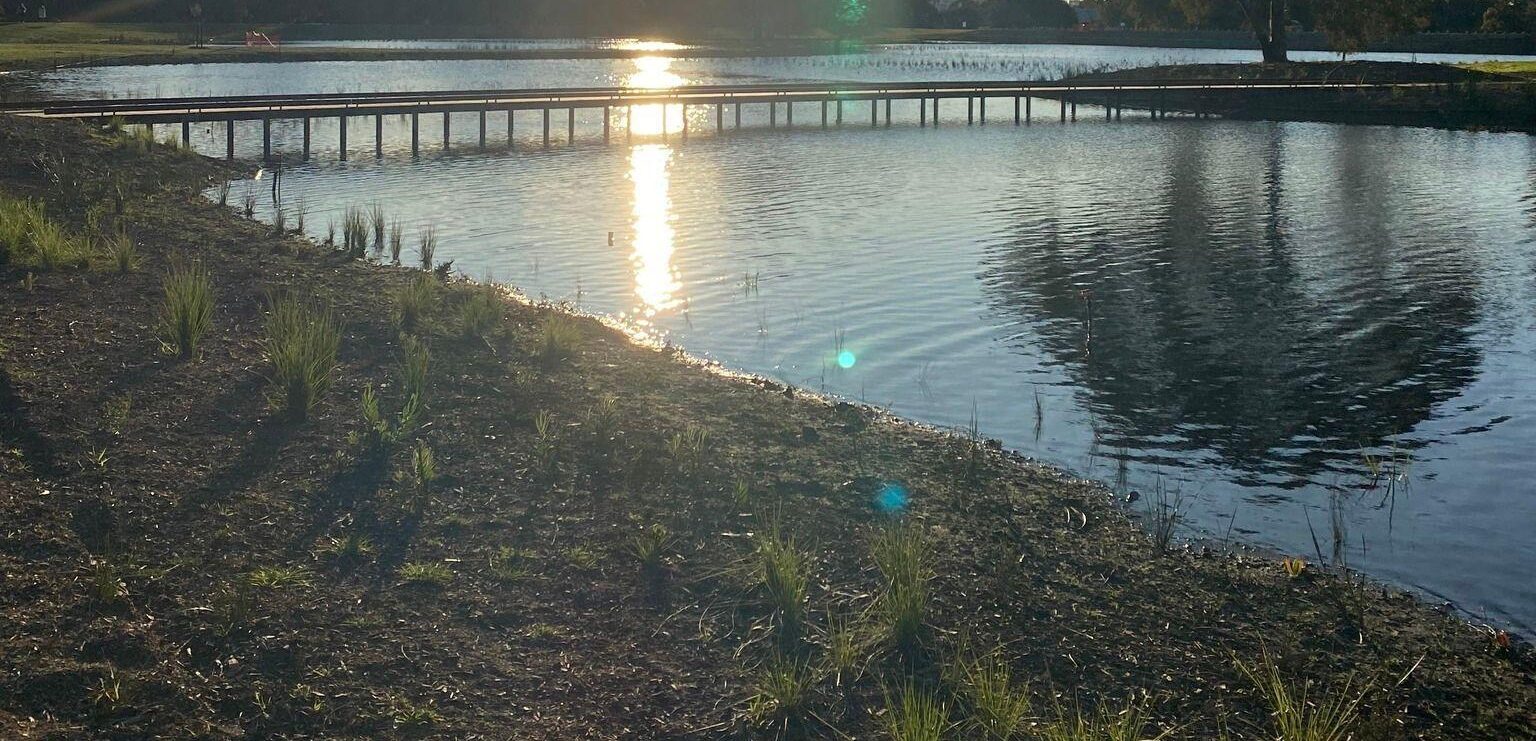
point(719, 118)
point(789, 114)
point(684, 108)
point(922, 113)
point(1029, 105)
point(186, 132)
point(970, 110)
point(570, 126)
point(935, 113)
point(773, 115)
point(629, 123)
point(306, 138)
point(823, 114)
point(607, 124)
point(342, 126)
point(415, 134)
point(1108, 112)
point(229, 135)
point(546, 128)
point(482, 129)
point(447, 119)
point(266, 139)
point(378, 136)
point(1074, 110)
point(887, 113)
point(983, 112)
point(1063, 109)
point(839, 113)
point(1016, 103)
point(511, 125)
point(874, 113)
point(738, 115)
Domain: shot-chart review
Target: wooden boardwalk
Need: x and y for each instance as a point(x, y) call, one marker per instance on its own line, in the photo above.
point(1160, 97)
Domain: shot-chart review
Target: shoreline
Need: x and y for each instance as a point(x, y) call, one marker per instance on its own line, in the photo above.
point(205, 489)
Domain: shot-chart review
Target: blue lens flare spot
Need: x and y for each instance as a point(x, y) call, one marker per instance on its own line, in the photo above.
point(892, 498)
point(846, 359)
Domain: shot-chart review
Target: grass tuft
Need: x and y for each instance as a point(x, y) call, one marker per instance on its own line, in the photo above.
point(1296, 713)
point(998, 707)
point(781, 697)
point(122, 253)
point(415, 303)
point(559, 339)
point(426, 248)
point(904, 557)
point(426, 574)
point(915, 715)
point(479, 313)
point(781, 572)
point(354, 233)
point(301, 344)
point(187, 312)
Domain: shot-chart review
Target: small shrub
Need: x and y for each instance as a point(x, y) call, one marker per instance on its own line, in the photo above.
point(415, 303)
point(417, 360)
point(422, 473)
point(546, 444)
point(106, 580)
point(650, 546)
point(224, 193)
point(427, 574)
point(301, 344)
point(187, 311)
point(915, 715)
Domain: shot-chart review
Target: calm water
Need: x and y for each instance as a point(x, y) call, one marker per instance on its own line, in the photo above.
point(1264, 317)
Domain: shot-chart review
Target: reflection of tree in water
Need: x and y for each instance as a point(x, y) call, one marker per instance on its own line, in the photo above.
point(1216, 328)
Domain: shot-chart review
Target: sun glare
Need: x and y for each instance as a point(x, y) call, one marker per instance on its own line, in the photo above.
point(656, 281)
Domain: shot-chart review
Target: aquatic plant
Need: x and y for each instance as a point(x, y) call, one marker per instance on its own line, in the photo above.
point(426, 247)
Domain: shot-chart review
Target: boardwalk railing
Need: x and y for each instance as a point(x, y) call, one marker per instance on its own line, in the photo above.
point(1149, 95)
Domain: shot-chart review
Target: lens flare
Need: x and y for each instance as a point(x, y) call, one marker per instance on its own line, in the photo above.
point(892, 498)
point(846, 359)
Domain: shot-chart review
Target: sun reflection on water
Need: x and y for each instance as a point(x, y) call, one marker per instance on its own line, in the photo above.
point(656, 280)
point(654, 73)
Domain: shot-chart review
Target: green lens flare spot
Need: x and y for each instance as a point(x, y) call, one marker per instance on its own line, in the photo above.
point(846, 359)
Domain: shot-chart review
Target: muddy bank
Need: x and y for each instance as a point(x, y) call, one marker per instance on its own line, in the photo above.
point(180, 559)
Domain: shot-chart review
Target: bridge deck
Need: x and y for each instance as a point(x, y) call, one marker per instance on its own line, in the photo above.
point(258, 107)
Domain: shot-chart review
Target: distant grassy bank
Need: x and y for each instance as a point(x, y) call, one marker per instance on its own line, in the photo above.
point(277, 488)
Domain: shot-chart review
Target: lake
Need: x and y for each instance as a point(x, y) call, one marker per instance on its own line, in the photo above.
point(1280, 324)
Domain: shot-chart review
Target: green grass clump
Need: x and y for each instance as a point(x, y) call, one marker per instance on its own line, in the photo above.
point(426, 248)
point(279, 577)
point(376, 215)
point(781, 572)
point(187, 312)
point(558, 341)
point(49, 247)
point(1127, 724)
point(415, 303)
point(915, 715)
point(650, 546)
point(18, 219)
point(396, 240)
point(781, 698)
point(301, 344)
point(1297, 714)
point(904, 557)
point(419, 477)
point(479, 312)
point(121, 253)
point(428, 574)
point(998, 707)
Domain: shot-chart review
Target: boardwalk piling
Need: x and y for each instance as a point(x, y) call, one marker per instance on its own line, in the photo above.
point(378, 135)
point(415, 134)
point(970, 110)
point(186, 133)
point(266, 139)
point(823, 114)
point(482, 129)
point(570, 126)
point(306, 138)
point(983, 112)
point(607, 123)
point(546, 128)
point(511, 123)
point(1016, 103)
point(446, 124)
point(341, 126)
point(229, 143)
